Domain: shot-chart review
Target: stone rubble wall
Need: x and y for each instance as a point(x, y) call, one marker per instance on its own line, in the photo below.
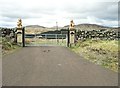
point(8, 33)
point(97, 34)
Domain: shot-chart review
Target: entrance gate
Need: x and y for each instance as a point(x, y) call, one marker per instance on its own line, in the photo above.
point(46, 39)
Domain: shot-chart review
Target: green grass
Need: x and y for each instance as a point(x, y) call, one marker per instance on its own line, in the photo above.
point(8, 47)
point(101, 52)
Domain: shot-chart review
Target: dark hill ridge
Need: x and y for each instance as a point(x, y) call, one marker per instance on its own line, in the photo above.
point(94, 25)
point(78, 27)
point(89, 27)
point(35, 26)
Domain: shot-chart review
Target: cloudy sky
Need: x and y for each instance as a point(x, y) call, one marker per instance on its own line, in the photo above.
point(48, 12)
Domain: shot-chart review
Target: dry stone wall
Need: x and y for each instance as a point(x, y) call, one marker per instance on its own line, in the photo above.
point(97, 34)
point(8, 33)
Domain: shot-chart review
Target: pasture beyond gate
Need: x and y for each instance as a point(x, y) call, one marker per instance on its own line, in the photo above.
point(46, 39)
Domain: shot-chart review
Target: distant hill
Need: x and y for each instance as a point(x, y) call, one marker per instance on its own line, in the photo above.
point(34, 26)
point(87, 27)
point(33, 29)
point(39, 29)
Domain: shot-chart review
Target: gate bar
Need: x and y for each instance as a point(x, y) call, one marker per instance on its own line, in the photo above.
point(23, 36)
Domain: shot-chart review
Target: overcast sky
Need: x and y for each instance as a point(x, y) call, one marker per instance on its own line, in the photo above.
point(48, 12)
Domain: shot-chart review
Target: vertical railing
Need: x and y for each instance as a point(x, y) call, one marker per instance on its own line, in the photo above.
point(45, 39)
point(68, 40)
point(56, 38)
point(23, 36)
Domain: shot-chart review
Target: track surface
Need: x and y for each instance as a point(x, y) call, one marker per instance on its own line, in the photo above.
point(53, 66)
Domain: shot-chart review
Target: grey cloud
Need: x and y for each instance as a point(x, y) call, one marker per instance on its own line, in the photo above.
point(25, 13)
point(101, 11)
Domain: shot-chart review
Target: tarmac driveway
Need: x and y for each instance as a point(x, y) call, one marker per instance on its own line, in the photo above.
point(53, 66)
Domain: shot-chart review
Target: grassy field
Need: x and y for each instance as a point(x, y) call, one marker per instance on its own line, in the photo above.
point(101, 52)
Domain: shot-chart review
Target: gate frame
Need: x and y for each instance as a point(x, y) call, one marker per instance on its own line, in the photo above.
point(23, 37)
point(66, 38)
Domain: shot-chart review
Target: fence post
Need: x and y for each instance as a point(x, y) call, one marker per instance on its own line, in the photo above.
point(68, 38)
point(23, 36)
point(45, 39)
point(56, 38)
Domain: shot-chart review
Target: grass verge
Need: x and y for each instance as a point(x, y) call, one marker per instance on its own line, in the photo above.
point(8, 47)
point(101, 52)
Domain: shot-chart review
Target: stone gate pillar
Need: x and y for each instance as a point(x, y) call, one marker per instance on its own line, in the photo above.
point(71, 33)
point(20, 33)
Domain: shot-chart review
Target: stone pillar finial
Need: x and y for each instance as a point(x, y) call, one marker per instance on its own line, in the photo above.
point(19, 23)
point(71, 25)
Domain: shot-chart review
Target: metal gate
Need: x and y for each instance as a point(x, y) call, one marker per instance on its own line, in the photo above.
point(46, 39)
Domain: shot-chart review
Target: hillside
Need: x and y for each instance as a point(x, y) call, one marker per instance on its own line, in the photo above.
point(34, 26)
point(90, 27)
point(33, 29)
